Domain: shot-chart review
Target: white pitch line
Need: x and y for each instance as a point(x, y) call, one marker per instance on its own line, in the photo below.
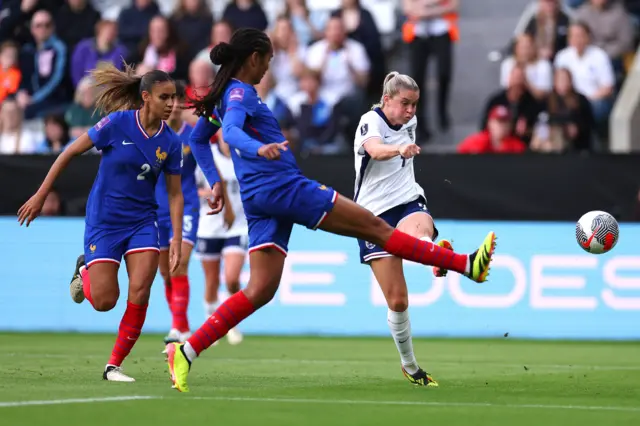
point(74, 401)
point(323, 401)
point(416, 403)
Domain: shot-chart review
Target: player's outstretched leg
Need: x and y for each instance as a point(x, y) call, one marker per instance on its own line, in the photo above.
point(350, 219)
point(266, 271)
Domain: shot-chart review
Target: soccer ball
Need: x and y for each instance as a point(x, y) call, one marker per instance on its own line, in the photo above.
point(597, 232)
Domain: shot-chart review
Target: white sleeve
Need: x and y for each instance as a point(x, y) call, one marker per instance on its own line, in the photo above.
point(505, 71)
point(544, 76)
point(604, 70)
point(368, 129)
point(314, 56)
point(561, 61)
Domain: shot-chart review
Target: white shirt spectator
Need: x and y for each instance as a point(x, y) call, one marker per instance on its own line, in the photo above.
point(539, 74)
point(22, 142)
point(591, 72)
point(282, 71)
point(337, 80)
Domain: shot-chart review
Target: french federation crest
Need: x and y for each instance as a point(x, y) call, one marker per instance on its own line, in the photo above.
point(364, 129)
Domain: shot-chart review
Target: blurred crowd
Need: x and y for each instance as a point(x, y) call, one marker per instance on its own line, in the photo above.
point(558, 80)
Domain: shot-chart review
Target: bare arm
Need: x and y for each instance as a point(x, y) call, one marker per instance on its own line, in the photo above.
point(78, 147)
point(31, 209)
point(380, 151)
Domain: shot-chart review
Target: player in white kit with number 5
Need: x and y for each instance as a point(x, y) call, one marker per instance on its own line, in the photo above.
point(385, 184)
point(222, 237)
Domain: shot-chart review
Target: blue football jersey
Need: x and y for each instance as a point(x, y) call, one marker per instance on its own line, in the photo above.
point(254, 172)
point(189, 187)
point(123, 192)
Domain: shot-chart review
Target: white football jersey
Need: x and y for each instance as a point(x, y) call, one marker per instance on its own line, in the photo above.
point(383, 185)
point(213, 226)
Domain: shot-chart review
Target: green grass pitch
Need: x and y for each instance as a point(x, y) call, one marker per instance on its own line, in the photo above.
point(279, 381)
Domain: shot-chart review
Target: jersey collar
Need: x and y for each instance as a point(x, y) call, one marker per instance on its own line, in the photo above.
point(144, 133)
point(384, 117)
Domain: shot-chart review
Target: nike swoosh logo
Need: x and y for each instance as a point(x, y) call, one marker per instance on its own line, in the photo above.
point(587, 244)
point(127, 143)
point(402, 341)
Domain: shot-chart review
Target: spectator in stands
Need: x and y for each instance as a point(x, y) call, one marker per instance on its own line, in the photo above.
point(201, 76)
point(311, 119)
point(344, 66)
point(15, 16)
point(522, 105)
point(288, 59)
point(133, 23)
point(548, 23)
point(75, 20)
point(610, 27)
point(14, 137)
point(81, 115)
point(308, 25)
point(220, 32)
point(538, 71)
point(430, 29)
point(496, 138)
point(56, 135)
point(246, 13)
point(164, 51)
point(568, 124)
point(44, 66)
point(193, 21)
point(10, 74)
point(591, 70)
point(360, 26)
point(268, 97)
point(104, 47)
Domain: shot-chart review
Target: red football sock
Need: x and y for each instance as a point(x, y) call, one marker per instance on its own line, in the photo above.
point(410, 248)
point(128, 332)
point(86, 285)
point(167, 294)
point(180, 303)
point(230, 313)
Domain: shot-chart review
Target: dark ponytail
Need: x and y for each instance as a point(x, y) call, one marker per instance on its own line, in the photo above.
point(231, 56)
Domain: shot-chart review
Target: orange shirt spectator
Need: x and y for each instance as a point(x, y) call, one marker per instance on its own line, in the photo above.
point(496, 138)
point(10, 74)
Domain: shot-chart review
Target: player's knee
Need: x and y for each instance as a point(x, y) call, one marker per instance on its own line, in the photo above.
point(139, 295)
point(105, 303)
point(398, 303)
point(233, 284)
point(182, 269)
point(260, 293)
